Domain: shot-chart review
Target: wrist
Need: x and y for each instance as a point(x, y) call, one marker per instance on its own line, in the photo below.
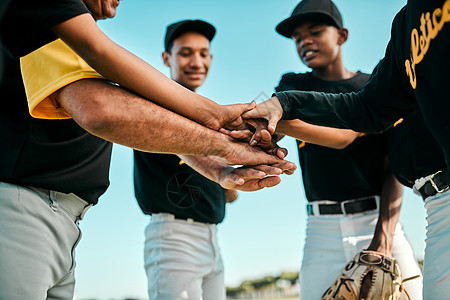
point(284, 102)
point(208, 114)
point(221, 144)
point(381, 245)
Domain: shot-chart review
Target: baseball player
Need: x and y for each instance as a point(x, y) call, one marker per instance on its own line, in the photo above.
point(24, 32)
point(182, 255)
point(349, 184)
point(52, 171)
point(413, 75)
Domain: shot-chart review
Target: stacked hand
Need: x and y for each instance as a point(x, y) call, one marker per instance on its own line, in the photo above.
point(256, 124)
point(252, 144)
point(253, 178)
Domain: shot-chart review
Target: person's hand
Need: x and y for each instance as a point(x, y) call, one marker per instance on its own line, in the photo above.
point(229, 117)
point(241, 153)
point(259, 136)
point(261, 124)
point(231, 196)
point(269, 110)
point(253, 178)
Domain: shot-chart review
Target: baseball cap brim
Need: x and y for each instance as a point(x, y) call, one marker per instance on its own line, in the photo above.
point(287, 26)
point(177, 29)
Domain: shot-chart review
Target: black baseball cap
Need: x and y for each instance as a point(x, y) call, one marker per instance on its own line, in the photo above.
point(176, 29)
point(311, 10)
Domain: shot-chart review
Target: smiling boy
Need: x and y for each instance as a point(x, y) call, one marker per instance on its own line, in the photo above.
point(346, 176)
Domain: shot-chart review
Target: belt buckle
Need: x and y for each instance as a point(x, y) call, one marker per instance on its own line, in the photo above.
point(344, 211)
point(434, 184)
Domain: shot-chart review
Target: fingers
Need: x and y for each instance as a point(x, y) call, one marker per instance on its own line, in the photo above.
point(286, 166)
point(282, 152)
point(238, 177)
point(250, 106)
point(256, 139)
point(241, 134)
point(269, 181)
point(254, 178)
point(225, 131)
point(235, 178)
point(270, 110)
point(242, 108)
point(231, 195)
point(272, 124)
point(231, 115)
point(257, 184)
point(269, 170)
point(261, 111)
point(246, 173)
point(269, 145)
point(263, 139)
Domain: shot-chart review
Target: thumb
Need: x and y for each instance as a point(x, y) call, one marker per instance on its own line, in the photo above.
point(273, 121)
point(243, 108)
point(282, 152)
point(236, 179)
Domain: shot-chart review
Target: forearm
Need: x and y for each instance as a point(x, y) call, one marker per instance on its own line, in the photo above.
point(390, 204)
point(335, 110)
point(120, 116)
point(383, 101)
point(119, 65)
point(319, 135)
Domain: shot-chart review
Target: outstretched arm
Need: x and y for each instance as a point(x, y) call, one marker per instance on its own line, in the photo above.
point(117, 64)
point(384, 99)
point(319, 135)
point(119, 116)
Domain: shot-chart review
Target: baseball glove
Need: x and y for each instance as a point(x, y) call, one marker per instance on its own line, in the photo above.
point(382, 272)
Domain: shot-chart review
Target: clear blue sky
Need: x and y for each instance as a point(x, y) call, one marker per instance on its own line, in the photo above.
point(263, 231)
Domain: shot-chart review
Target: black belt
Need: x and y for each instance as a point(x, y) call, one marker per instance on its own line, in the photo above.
point(345, 207)
point(436, 184)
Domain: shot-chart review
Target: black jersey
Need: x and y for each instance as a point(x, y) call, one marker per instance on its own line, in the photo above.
point(164, 184)
point(415, 72)
point(51, 154)
point(413, 151)
point(338, 174)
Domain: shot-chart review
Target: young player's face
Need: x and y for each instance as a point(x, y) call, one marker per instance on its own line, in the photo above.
point(189, 59)
point(102, 9)
point(318, 45)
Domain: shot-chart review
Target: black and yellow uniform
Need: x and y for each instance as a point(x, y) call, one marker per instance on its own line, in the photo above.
point(414, 73)
point(50, 154)
point(164, 184)
point(331, 174)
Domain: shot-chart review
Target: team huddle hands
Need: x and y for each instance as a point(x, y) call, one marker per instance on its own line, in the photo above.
point(256, 125)
point(254, 145)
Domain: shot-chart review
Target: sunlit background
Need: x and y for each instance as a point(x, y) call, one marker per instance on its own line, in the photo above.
point(263, 232)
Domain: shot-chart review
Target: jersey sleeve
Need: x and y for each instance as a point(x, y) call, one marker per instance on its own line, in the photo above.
point(26, 25)
point(383, 100)
point(45, 71)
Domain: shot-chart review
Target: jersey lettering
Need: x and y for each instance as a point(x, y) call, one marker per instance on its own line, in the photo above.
point(430, 25)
